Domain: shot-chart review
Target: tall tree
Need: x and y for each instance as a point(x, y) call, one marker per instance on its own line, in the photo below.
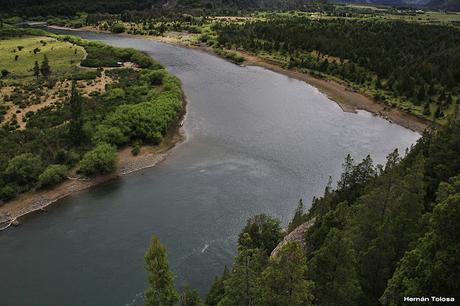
point(45, 68)
point(433, 266)
point(76, 115)
point(333, 269)
point(241, 286)
point(36, 70)
point(161, 291)
point(217, 291)
point(283, 281)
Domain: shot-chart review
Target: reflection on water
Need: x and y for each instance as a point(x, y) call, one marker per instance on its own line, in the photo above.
point(256, 142)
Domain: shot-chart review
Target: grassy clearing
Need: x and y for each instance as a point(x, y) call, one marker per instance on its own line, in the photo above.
point(17, 56)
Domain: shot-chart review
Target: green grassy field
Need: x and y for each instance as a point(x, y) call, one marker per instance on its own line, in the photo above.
point(17, 56)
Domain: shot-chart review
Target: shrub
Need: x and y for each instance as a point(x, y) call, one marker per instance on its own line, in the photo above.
point(5, 72)
point(117, 28)
point(99, 160)
point(53, 175)
point(24, 169)
point(7, 193)
point(154, 77)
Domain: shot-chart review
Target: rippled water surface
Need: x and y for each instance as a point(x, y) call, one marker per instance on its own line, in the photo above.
point(257, 141)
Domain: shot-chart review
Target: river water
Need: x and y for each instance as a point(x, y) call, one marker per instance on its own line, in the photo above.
point(256, 142)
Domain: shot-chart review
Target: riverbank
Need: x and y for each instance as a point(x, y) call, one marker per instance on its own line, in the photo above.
point(348, 99)
point(38, 201)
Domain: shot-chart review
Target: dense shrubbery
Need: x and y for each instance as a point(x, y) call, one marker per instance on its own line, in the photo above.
point(100, 160)
point(53, 175)
point(138, 107)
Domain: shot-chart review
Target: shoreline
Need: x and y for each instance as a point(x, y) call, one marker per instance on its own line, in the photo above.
point(346, 98)
point(38, 201)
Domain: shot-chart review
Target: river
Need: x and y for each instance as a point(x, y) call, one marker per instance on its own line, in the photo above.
point(256, 142)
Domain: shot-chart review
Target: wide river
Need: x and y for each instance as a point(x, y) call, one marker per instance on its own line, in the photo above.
point(256, 142)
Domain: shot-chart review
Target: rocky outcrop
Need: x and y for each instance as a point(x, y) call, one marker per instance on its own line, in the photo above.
point(296, 235)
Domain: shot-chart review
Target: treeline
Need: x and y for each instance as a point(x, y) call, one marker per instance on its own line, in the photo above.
point(33, 8)
point(409, 61)
point(384, 233)
point(84, 131)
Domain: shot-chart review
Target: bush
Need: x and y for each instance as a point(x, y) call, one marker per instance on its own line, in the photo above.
point(7, 193)
point(24, 169)
point(99, 160)
point(53, 175)
point(117, 28)
point(154, 77)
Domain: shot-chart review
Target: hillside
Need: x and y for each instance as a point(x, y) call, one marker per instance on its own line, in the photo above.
point(71, 7)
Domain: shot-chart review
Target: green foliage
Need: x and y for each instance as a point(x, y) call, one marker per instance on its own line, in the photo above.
point(76, 115)
point(99, 160)
point(264, 233)
point(283, 281)
point(117, 27)
point(190, 297)
point(434, 264)
point(53, 175)
point(161, 291)
point(217, 291)
point(23, 170)
point(405, 58)
point(333, 270)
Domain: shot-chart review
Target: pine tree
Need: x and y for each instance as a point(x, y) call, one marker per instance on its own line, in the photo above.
point(434, 264)
point(299, 217)
point(240, 287)
point(333, 270)
point(45, 69)
point(190, 297)
point(76, 115)
point(217, 291)
point(283, 281)
point(36, 70)
point(161, 291)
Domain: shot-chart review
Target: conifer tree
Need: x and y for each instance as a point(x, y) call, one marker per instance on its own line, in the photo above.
point(76, 115)
point(333, 270)
point(36, 70)
point(45, 68)
point(161, 291)
point(283, 281)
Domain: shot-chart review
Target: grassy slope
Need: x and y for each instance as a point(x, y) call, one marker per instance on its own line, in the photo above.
point(63, 57)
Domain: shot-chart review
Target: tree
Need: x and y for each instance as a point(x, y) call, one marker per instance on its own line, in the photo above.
point(240, 288)
point(217, 291)
point(333, 270)
point(299, 217)
point(45, 68)
point(99, 160)
point(283, 281)
point(190, 297)
point(434, 264)
point(53, 175)
point(264, 233)
point(76, 115)
point(24, 169)
point(36, 70)
point(161, 291)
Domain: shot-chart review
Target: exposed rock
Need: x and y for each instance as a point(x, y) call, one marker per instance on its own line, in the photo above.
point(296, 235)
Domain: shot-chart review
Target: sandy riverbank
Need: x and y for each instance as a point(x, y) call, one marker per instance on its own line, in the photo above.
point(37, 201)
point(346, 98)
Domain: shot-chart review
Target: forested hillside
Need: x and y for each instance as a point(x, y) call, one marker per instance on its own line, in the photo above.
point(415, 67)
point(385, 232)
point(72, 7)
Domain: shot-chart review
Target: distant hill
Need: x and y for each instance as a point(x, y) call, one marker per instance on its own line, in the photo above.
point(451, 5)
point(70, 7)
